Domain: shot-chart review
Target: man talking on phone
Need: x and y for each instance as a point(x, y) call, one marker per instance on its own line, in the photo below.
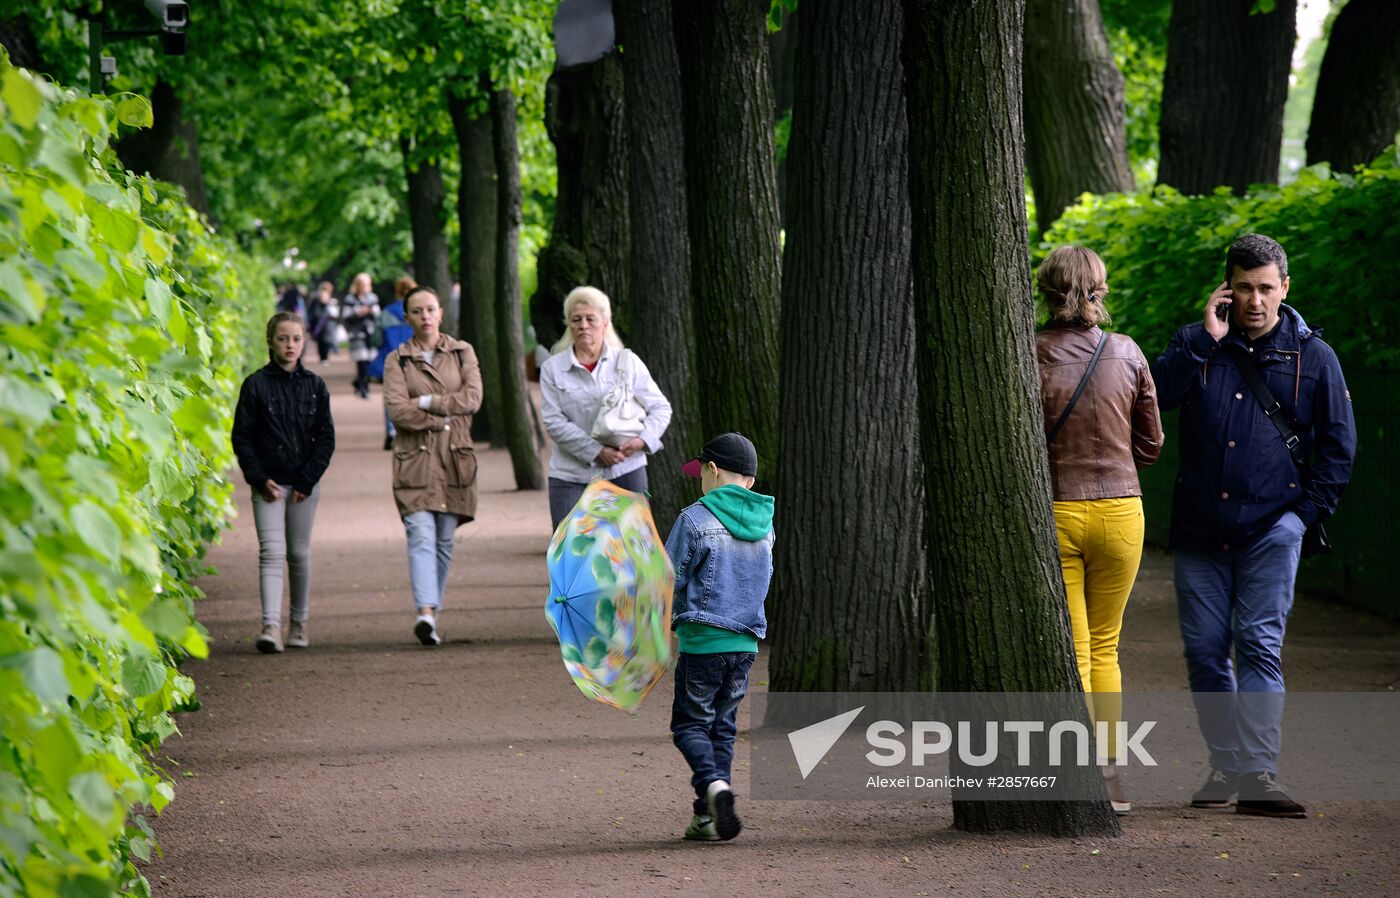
point(1251, 486)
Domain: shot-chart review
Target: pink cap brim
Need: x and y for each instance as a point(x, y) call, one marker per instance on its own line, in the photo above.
point(691, 468)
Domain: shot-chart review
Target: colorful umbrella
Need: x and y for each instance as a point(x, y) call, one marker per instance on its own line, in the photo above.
point(610, 587)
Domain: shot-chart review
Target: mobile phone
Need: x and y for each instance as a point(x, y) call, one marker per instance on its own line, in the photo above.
point(1222, 311)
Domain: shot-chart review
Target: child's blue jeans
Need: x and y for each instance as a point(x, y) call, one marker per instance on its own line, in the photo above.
point(709, 689)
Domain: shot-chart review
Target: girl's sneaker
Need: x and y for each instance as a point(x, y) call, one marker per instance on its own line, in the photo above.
point(296, 636)
point(270, 642)
point(701, 829)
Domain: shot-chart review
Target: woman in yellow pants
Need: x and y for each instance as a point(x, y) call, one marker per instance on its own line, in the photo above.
point(1097, 442)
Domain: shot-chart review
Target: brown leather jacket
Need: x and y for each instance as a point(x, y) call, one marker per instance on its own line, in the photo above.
point(434, 462)
point(1115, 427)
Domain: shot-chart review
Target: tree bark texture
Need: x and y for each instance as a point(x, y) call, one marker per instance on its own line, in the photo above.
point(1223, 93)
point(998, 595)
point(589, 240)
point(427, 218)
point(18, 40)
point(169, 149)
point(850, 608)
point(1356, 111)
point(476, 217)
point(514, 423)
point(735, 267)
point(659, 317)
point(1075, 141)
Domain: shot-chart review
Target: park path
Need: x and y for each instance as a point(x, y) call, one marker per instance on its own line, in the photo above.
point(370, 766)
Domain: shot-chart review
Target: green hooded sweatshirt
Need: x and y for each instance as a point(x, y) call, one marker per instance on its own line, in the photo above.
point(747, 516)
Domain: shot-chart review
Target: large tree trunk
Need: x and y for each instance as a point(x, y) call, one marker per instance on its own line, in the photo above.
point(999, 602)
point(1074, 107)
point(169, 149)
point(660, 321)
point(18, 40)
point(736, 268)
point(589, 240)
point(427, 218)
point(1356, 111)
point(850, 604)
point(1223, 93)
point(514, 422)
point(476, 217)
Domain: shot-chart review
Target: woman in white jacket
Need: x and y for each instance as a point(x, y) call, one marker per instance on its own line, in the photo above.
point(586, 364)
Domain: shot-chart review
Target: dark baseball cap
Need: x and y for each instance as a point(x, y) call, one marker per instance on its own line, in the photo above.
point(730, 452)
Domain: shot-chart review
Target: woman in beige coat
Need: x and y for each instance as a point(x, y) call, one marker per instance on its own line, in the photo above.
point(432, 387)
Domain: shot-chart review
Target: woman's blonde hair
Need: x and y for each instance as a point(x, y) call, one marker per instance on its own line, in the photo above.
point(593, 298)
point(403, 285)
point(1074, 281)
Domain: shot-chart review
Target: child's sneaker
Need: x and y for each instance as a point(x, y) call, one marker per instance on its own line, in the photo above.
point(296, 635)
point(721, 801)
point(270, 642)
point(701, 829)
point(425, 628)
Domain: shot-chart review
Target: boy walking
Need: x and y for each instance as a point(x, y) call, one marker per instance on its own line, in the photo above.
point(722, 550)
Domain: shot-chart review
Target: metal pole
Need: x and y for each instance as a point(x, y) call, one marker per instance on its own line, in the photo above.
point(94, 57)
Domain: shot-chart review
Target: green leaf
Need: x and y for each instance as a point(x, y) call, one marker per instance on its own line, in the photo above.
point(117, 228)
point(97, 529)
point(42, 669)
point(93, 795)
point(142, 674)
point(21, 97)
point(158, 295)
point(83, 885)
point(134, 110)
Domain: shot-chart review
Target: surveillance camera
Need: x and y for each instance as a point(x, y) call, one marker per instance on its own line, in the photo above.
point(173, 14)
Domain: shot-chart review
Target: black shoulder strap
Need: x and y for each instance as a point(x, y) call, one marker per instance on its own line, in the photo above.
point(1272, 410)
point(1079, 390)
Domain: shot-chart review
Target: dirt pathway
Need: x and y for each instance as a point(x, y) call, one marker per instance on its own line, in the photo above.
point(370, 766)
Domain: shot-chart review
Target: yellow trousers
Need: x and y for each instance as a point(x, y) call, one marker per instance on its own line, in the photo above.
point(1100, 550)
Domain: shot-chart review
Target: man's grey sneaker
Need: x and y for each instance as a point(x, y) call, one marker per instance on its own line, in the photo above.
point(701, 829)
point(1219, 790)
point(296, 636)
point(1262, 796)
point(425, 628)
point(270, 641)
point(721, 801)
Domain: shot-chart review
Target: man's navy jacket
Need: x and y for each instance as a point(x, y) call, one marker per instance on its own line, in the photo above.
point(1236, 476)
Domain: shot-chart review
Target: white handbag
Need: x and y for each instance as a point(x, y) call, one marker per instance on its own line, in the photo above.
point(620, 417)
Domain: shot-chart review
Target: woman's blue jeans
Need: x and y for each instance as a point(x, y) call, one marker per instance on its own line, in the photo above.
point(429, 554)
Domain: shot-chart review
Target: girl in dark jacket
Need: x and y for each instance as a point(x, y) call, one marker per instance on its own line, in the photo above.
point(284, 437)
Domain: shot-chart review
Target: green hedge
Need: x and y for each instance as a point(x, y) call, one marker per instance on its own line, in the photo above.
point(1166, 252)
point(124, 324)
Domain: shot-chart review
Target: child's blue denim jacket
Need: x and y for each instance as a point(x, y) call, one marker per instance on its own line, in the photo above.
point(722, 578)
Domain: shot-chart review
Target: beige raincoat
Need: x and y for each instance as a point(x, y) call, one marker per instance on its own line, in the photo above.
point(434, 462)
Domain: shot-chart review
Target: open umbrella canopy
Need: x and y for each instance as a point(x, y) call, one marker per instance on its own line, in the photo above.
point(610, 588)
